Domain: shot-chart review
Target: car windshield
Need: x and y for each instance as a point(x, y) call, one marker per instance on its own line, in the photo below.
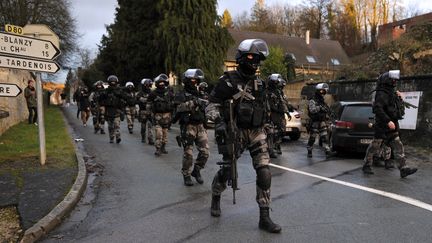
point(357, 113)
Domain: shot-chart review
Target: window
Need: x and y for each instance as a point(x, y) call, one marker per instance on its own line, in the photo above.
point(335, 61)
point(311, 59)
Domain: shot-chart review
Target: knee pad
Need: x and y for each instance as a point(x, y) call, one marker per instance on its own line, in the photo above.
point(263, 177)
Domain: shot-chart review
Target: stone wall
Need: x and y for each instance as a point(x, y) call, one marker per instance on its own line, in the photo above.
point(16, 106)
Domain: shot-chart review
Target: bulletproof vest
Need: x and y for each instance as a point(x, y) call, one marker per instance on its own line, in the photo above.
point(112, 98)
point(162, 103)
point(130, 98)
point(322, 115)
point(249, 101)
point(275, 99)
point(396, 109)
point(142, 102)
point(196, 116)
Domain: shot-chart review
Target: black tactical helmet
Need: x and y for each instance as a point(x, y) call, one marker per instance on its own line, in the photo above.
point(98, 84)
point(161, 78)
point(322, 88)
point(112, 80)
point(129, 85)
point(275, 80)
point(389, 78)
point(249, 55)
point(192, 77)
point(193, 73)
point(147, 82)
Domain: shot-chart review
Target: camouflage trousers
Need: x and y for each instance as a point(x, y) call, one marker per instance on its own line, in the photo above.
point(85, 115)
point(194, 134)
point(130, 116)
point(98, 114)
point(396, 147)
point(162, 122)
point(146, 126)
point(255, 141)
point(114, 127)
point(318, 128)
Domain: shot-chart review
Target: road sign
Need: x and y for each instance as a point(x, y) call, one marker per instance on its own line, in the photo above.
point(27, 47)
point(43, 32)
point(9, 90)
point(14, 29)
point(28, 64)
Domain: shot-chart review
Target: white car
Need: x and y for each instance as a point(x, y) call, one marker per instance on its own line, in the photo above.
point(293, 127)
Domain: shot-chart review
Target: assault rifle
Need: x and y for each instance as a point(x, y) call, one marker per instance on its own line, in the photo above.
point(230, 140)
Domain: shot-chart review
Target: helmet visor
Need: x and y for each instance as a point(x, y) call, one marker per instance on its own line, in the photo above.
point(394, 74)
point(194, 73)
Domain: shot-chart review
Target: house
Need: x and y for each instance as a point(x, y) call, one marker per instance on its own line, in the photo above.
point(315, 60)
point(392, 31)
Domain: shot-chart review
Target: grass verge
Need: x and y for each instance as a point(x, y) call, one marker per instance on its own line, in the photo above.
point(19, 146)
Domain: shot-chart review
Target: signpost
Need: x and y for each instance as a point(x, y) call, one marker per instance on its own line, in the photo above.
point(32, 54)
point(9, 90)
point(27, 47)
point(28, 64)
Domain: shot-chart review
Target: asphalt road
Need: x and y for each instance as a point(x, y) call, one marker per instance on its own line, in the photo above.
point(141, 198)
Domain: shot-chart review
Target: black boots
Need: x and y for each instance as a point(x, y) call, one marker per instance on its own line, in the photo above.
point(163, 150)
point(309, 154)
point(406, 171)
point(265, 222)
point(367, 170)
point(158, 152)
point(187, 180)
point(215, 210)
point(196, 173)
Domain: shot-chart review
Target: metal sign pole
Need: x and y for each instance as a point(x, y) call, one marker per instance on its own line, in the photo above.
point(40, 115)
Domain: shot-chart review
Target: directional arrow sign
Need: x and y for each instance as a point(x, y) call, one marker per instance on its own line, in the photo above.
point(17, 45)
point(9, 90)
point(27, 64)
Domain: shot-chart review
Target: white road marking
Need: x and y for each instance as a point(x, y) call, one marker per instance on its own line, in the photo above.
point(394, 196)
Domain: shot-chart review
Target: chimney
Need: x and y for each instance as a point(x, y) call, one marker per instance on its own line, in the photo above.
point(307, 37)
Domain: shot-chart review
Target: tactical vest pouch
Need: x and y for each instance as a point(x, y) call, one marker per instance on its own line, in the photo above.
point(245, 114)
point(161, 107)
point(258, 116)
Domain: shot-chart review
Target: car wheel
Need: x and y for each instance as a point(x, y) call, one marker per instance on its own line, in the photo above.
point(294, 136)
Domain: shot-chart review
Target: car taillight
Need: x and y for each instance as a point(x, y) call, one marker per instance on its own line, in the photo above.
point(344, 124)
point(297, 116)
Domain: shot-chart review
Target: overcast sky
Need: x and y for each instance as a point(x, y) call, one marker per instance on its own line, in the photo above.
point(93, 15)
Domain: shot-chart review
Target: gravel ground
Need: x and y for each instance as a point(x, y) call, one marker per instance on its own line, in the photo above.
point(10, 229)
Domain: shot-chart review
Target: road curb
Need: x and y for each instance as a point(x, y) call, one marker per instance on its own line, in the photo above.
point(54, 218)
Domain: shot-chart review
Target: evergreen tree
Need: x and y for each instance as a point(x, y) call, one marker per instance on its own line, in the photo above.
point(130, 50)
point(190, 36)
point(227, 21)
point(274, 63)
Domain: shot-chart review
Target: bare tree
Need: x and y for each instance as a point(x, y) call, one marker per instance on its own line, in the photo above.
point(54, 13)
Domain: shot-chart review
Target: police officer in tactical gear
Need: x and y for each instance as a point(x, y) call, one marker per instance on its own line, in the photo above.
point(161, 105)
point(97, 110)
point(190, 113)
point(243, 91)
point(145, 115)
point(84, 105)
point(388, 109)
point(319, 113)
point(114, 100)
point(130, 105)
point(276, 115)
